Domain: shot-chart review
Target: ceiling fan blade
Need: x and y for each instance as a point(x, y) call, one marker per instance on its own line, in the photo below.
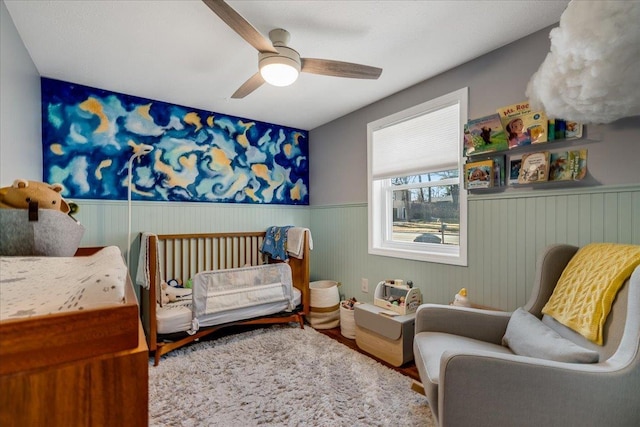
point(249, 86)
point(328, 67)
point(240, 25)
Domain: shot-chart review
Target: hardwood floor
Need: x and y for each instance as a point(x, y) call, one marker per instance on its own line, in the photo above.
point(409, 369)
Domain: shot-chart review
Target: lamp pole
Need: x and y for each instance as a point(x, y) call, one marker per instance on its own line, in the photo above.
point(141, 151)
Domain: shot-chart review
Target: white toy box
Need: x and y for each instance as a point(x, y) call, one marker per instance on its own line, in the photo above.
point(397, 297)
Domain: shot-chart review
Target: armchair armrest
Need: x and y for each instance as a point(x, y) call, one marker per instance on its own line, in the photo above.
point(484, 325)
point(487, 388)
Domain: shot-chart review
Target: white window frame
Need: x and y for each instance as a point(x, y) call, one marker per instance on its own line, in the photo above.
point(380, 192)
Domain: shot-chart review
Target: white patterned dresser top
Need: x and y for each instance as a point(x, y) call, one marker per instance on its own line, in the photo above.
point(35, 286)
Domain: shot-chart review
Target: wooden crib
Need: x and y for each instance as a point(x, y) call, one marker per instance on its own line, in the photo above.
point(181, 256)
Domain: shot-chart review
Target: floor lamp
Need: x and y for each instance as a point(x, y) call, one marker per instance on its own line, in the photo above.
point(141, 151)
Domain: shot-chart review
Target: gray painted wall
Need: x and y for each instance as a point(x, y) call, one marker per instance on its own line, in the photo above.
point(20, 123)
point(338, 150)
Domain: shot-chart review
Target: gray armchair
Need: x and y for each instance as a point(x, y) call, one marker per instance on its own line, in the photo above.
point(471, 379)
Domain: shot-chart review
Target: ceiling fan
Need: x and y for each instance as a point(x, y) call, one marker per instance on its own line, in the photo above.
point(279, 64)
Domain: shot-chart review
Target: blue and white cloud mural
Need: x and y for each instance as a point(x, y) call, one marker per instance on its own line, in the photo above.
point(89, 135)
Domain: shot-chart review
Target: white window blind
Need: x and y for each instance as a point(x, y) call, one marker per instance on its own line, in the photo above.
point(425, 143)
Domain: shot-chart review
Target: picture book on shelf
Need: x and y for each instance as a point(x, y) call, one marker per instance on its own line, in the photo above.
point(560, 129)
point(484, 134)
point(568, 165)
point(515, 162)
point(579, 164)
point(560, 166)
point(513, 110)
point(479, 174)
point(564, 129)
point(523, 126)
point(498, 171)
point(572, 130)
point(534, 168)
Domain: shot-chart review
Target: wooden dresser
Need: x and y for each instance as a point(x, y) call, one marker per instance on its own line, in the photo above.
point(86, 368)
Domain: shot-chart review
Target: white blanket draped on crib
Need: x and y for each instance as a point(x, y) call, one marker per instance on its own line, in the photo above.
point(295, 241)
point(143, 273)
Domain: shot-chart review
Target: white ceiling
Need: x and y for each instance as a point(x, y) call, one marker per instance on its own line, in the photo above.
point(180, 52)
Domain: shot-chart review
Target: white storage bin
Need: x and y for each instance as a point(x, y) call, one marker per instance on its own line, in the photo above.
point(347, 322)
point(324, 310)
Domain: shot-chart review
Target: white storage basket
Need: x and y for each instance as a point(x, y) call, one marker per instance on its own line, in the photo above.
point(324, 312)
point(347, 322)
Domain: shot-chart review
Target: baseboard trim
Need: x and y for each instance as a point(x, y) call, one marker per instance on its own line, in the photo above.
point(417, 387)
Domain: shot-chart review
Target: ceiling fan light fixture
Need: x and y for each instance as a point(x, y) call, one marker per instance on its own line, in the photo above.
point(279, 74)
point(280, 65)
point(282, 69)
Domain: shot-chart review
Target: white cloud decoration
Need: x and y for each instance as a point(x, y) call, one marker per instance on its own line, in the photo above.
point(592, 73)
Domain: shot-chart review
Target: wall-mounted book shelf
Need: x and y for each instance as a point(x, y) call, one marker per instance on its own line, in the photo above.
point(550, 145)
point(519, 148)
point(532, 165)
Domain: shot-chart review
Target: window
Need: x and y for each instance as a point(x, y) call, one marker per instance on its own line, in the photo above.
point(417, 203)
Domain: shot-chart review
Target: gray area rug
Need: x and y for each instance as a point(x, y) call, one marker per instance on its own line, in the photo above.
point(281, 376)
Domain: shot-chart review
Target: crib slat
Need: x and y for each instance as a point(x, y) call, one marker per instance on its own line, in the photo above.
point(222, 251)
point(183, 255)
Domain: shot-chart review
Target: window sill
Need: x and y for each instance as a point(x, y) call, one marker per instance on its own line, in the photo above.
point(451, 258)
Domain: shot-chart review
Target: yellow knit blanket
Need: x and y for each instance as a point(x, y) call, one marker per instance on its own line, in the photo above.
point(588, 285)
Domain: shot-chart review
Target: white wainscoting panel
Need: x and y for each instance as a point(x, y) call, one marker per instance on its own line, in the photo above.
point(106, 221)
point(506, 232)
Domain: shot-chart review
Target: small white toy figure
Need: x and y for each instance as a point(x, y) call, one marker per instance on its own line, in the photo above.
point(461, 299)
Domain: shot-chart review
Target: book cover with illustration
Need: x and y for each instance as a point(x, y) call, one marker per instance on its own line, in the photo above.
point(498, 171)
point(523, 126)
point(478, 174)
point(534, 168)
point(513, 110)
point(572, 130)
point(560, 166)
point(568, 165)
point(515, 163)
point(536, 124)
point(579, 164)
point(483, 135)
